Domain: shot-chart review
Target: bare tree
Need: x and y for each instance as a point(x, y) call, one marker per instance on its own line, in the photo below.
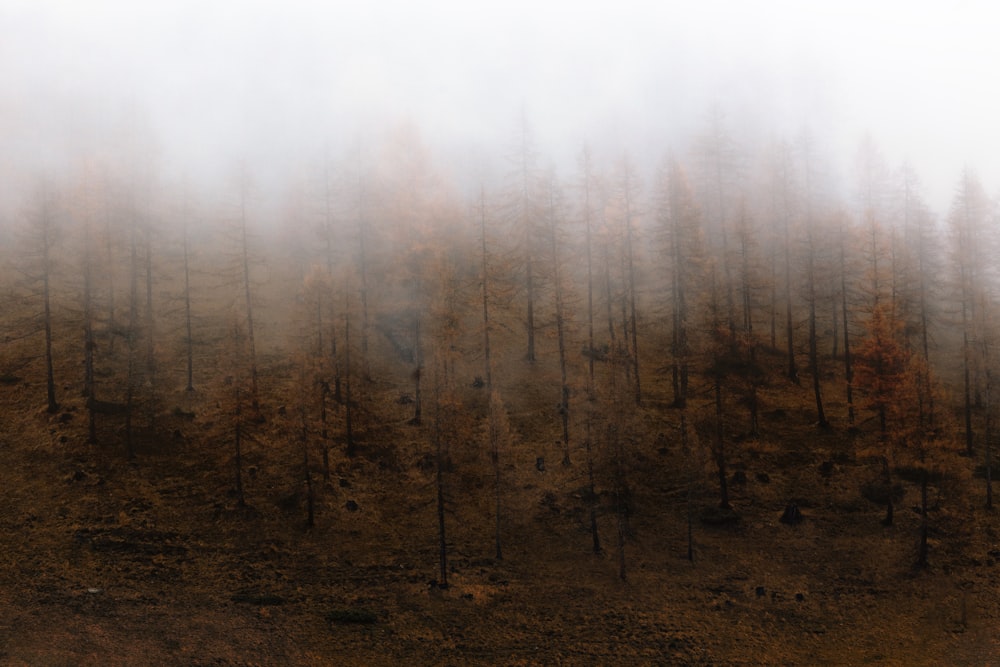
point(553, 224)
point(40, 240)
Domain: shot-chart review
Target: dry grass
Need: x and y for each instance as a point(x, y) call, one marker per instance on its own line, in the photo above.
point(110, 563)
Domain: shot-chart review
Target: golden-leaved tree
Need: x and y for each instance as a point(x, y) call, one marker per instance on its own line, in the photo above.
point(900, 388)
point(882, 372)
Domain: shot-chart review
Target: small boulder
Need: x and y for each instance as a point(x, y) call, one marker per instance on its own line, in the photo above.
point(792, 515)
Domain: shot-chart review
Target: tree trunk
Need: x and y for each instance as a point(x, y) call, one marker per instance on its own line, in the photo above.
point(848, 371)
point(418, 363)
point(922, 557)
point(720, 447)
point(238, 441)
point(351, 449)
point(189, 337)
point(560, 325)
point(88, 338)
point(591, 488)
point(813, 350)
point(254, 393)
point(50, 383)
point(150, 379)
point(310, 493)
point(793, 371)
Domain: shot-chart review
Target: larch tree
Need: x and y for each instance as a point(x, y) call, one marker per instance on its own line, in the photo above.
point(783, 208)
point(247, 284)
point(970, 244)
point(40, 237)
point(750, 283)
point(87, 211)
point(522, 211)
point(589, 192)
point(812, 250)
point(680, 226)
point(882, 372)
point(718, 158)
point(625, 213)
point(553, 228)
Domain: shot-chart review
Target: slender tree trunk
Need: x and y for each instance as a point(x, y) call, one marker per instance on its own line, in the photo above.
point(988, 429)
point(324, 389)
point(494, 432)
point(748, 333)
point(591, 487)
point(630, 275)
point(245, 256)
point(922, 557)
point(133, 334)
point(485, 278)
point(560, 325)
point(588, 240)
point(614, 443)
point(328, 240)
point(109, 257)
point(848, 371)
point(528, 240)
point(720, 445)
point(440, 460)
point(813, 344)
point(188, 329)
point(363, 270)
point(418, 369)
point(348, 403)
point(50, 383)
point(150, 379)
point(774, 297)
point(46, 248)
point(304, 438)
point(613, 345)
point(238, 442)
point(88, 338)
point(679, 343)
point(793, 373)
point(967, 379)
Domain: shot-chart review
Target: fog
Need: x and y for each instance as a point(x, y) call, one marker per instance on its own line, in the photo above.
point(274, 84)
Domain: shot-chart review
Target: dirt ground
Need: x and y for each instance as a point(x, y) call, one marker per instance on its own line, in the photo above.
point(106, 562)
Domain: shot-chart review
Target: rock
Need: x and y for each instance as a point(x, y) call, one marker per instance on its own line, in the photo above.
point(540, 464)
point(352, 506)
point(792, 516)
point(760, 591)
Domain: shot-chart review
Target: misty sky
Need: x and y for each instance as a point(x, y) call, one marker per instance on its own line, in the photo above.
point(275, 82)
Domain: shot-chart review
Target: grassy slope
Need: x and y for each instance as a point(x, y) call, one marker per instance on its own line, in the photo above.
point(152, 563)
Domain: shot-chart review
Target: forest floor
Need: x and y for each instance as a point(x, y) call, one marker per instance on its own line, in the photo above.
point(106, 562)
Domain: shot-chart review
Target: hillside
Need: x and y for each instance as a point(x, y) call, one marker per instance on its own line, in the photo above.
point(153, 562)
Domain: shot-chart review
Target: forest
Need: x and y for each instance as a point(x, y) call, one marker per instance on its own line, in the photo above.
point(382, 408)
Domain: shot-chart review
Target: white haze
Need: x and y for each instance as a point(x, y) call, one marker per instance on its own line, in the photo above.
point(276, 83)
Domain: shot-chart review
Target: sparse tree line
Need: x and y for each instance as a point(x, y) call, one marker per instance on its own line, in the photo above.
point(618, 303)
